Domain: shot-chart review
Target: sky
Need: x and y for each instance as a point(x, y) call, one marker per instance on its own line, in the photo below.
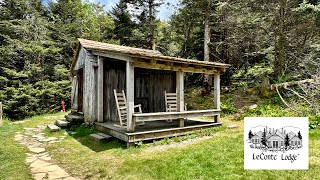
point(165, 11)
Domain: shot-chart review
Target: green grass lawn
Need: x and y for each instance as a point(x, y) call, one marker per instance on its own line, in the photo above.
point(218, 157)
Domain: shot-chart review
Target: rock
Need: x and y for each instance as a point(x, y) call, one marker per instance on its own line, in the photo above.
point(46, 158)
point(18, 137)
point(52, 138)
point(46, 169)
point(42, 154)
point(70, 178)
point(57, 174)
point(232, 126)
point(53, 128)
point(36, 150)
point(71, 132)
point(39, 163)
point(98, 137)
point(62, 123)
point(39, 176)
point(253, 106)
point(104, 135)
point(51, 142)
point(31, 159)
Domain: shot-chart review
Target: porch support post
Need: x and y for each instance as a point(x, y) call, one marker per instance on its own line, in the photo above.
point(130, 95)
point(100, 90)
point(217, 95)
point(180, 95)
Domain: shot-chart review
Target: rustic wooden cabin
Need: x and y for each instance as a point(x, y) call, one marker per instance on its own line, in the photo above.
point(145, 75)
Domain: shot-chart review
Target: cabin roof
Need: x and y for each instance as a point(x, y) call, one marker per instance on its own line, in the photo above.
point(94, 45)
point(143, 54)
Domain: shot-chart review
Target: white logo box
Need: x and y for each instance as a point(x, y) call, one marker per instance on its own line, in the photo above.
point(276, 143)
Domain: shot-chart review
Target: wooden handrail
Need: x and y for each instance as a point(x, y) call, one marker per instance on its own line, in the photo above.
point(174, 115)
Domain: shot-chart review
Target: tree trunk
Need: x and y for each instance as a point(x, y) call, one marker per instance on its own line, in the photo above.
point(152, 41)
point(280, 56)
point(206, 77)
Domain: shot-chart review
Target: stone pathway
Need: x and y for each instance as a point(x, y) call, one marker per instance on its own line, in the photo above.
point(39, 160)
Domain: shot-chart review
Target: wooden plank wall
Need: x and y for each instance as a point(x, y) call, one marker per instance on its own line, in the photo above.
point(81, 59)
point(114, 78)
point(150, 86)
point(90, 88)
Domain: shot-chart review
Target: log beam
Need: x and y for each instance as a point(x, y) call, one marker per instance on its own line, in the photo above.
point(183, 68)
point(100, 90)
point(217, 95)
point(180, 95)
point(130, 96)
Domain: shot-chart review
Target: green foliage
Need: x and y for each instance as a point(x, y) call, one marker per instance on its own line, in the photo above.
point(314, 121)
point(37, 46)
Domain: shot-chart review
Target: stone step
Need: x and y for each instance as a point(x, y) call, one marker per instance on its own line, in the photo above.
point(53, 128)
point(99, 138)
point(62, 123)
point(104, 135)
point(74, 119)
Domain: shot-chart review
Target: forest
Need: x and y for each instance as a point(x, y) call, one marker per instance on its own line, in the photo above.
point(266, 42)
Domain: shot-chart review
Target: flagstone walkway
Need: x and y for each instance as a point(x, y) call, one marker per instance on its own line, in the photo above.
point(39, 160)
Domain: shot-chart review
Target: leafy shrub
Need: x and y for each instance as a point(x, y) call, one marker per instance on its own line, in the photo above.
point(314, 121)
point(227, 108)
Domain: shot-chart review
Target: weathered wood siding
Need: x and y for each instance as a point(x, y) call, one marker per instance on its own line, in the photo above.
point(90, 88)
point(150, 86)
point(114, 78)
point(75, 84)
point(81, 59)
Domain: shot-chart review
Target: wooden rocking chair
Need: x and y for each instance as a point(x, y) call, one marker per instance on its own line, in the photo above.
point(121, 103)
point(171, 102)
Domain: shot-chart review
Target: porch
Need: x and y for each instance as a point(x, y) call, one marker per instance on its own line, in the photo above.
point(153, 130)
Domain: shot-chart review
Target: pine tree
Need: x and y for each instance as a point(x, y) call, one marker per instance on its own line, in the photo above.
point(146, 14)
point(287, 141)
point(250, 134)
point(124, 25)
point(264, 138)
point(299, 135)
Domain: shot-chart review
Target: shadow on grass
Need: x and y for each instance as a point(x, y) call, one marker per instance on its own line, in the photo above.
point(82, 135)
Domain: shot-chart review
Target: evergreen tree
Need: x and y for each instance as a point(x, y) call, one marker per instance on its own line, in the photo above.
point(287, 141)
point(146, 15)
point(299, 135)
point(250, 134)
point(124, 25)
point(264, 138)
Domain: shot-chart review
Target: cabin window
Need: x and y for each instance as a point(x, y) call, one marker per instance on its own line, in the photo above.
point(291, 142)
point(298, 142)
point(281, 143)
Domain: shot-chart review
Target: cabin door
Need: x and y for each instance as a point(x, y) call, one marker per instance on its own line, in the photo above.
point(142, 89)
point(80, 90)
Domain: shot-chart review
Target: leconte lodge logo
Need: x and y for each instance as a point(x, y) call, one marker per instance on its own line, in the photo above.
point(270, 139)
point(276, 143)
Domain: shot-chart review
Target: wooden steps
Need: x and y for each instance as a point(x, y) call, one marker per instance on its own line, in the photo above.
point(100, 137)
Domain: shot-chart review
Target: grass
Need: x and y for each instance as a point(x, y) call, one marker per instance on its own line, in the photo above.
point(219, 157)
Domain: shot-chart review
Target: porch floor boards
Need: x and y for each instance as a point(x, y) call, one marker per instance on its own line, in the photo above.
point(153, 129)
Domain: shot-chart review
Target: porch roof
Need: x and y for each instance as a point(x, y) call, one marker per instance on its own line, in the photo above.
point(149, 58)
